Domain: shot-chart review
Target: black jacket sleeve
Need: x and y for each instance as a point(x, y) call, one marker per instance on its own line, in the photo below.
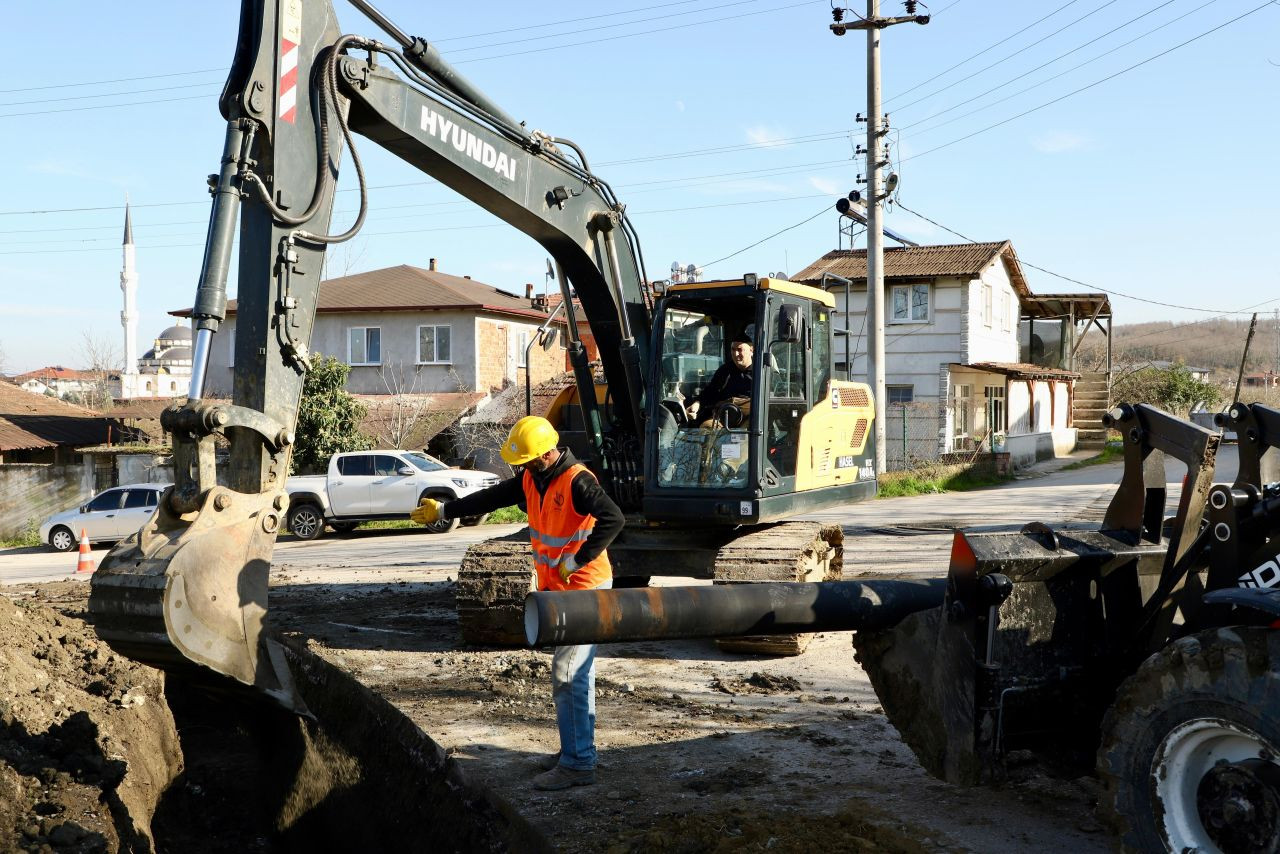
point(504, 494)
point(713, 392)
point(589, 499)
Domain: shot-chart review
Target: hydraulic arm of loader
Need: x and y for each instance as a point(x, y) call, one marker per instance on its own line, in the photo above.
point(192, 586)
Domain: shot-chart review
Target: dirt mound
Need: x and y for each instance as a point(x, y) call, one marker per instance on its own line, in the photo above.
point(757, 683)
point(87, 742)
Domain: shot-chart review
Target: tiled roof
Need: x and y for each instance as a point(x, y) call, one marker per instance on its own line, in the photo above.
point(406, 288)
point(962, 259)
point(18, 401)
point(55, 372)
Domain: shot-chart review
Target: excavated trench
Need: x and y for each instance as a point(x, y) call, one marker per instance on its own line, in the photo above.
point(100, 754)
point(361, 777)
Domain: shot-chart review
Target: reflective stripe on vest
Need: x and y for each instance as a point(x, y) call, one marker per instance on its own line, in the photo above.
point(556, 530)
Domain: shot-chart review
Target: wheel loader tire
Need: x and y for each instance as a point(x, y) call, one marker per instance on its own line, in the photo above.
point(1190, 753)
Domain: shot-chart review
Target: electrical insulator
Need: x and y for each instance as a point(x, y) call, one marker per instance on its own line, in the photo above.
point(911, 6)
point(837, 14)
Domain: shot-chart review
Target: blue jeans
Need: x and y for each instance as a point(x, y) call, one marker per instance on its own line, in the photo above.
point(573, 689)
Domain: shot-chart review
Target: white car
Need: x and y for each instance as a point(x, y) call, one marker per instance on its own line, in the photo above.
point(364, 486)
point(111, 515)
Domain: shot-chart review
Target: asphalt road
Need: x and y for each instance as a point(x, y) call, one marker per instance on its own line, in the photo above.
point(895, 536)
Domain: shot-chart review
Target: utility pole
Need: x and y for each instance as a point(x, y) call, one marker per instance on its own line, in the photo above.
point(877, 158)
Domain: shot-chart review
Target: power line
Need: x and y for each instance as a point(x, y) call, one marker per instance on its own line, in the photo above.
point(116, 80)
point(509, 54)
point(825, 209)
point(1060, 56)
point(1026, 263)
point(1007, 58)
point(602, 27)
point(527, 27)
point(981, 52)
point(1109, 77)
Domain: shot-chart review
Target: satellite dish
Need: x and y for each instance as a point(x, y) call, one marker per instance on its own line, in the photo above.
point(551, 271)
point(675, 266)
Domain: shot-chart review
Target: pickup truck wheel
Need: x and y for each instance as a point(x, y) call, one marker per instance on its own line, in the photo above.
point(62, 539)
point(1188, 756)
point(472, 521)
point(306, 521)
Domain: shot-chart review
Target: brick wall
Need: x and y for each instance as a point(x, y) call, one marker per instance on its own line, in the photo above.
point(497, 364)
point(30, 493)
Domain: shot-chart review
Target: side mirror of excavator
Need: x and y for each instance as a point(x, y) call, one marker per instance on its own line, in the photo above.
point(790, 324)
point(550, 338)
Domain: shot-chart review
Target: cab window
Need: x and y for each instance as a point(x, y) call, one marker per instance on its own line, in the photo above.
point(356, 466)
point(385, 465)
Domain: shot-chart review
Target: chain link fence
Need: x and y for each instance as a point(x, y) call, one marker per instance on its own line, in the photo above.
point(912, 432)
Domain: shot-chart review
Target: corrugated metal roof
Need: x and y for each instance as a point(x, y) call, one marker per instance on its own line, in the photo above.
point(407, 288)
point(1023, 371)
point(51, 421)
point(910, 262)
point(14, 438)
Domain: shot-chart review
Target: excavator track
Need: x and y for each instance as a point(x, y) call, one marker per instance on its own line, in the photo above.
point(788, 551)
point(496, 575)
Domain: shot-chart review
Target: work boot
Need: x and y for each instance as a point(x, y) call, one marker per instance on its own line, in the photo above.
point(547, 761)
point(561, 777)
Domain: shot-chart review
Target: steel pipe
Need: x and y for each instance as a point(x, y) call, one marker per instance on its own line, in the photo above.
point(723, 610)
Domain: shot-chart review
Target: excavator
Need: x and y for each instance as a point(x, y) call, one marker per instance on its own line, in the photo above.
point(188, 593)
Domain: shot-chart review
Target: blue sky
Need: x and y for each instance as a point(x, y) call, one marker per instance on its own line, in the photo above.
point(1158, 183)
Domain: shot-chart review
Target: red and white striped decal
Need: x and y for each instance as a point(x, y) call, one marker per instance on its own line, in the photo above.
point(288, 99)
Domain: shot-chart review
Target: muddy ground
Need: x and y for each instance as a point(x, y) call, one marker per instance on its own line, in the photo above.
point(700, 751)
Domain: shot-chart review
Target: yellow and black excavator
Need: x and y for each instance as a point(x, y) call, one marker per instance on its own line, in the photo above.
point(702, 499)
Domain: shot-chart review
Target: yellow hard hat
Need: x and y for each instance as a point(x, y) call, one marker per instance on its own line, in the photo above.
point(531, 436)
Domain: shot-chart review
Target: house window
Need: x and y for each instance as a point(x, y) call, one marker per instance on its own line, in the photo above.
point(1006, 316)
point(364, 345)
point(910, 304)
point(522, 347)
point(986, 306)
point(961, 414)
point(435, 345)
point(231, 350)
point(900, 393)
point(995, 406)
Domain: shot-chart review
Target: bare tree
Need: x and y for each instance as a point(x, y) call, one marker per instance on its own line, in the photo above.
point(342, 259)
point(405, 411)
point(102, 360)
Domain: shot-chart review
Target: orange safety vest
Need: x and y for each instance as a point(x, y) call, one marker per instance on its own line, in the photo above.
point(556, 529)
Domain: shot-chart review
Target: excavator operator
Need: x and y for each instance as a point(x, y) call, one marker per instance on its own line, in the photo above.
point(730, 383)
point(571, 522)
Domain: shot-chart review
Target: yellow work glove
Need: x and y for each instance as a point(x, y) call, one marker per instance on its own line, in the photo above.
point(427, 511)
point(568, 566)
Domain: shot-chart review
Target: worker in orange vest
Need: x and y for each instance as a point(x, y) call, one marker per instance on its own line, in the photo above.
point(571, 523)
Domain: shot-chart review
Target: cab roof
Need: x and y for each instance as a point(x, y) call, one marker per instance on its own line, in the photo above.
point(764, 283)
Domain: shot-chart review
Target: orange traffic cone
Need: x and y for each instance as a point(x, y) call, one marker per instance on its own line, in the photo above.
point(85, 564)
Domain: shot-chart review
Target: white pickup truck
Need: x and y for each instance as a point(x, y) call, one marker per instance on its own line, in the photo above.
point(364, 486)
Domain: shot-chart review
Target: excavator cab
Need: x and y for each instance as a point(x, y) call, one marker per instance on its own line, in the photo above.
point(795, 441)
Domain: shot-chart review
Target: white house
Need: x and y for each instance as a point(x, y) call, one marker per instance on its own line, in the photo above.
point(952, 352)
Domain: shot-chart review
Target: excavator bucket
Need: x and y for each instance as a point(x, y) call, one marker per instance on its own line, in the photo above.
point(188, 593)
point(1039, 625)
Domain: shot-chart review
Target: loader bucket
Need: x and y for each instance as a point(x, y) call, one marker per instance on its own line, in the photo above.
point(1039, 626)
point(189, 592)
point(996, 666)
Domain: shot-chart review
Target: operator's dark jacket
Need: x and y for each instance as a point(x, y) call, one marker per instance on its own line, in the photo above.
point(728, 381)
point(587, 496)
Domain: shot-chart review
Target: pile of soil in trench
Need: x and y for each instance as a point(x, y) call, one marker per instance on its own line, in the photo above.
point(87, 741)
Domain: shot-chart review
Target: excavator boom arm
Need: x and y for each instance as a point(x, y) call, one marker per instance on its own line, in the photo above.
point(191, 587)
